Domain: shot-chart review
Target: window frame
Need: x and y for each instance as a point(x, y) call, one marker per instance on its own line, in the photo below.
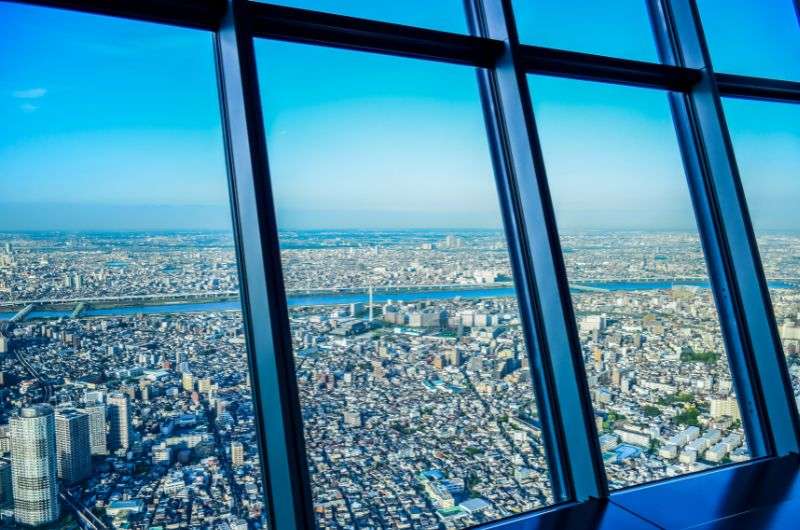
point(737, 278)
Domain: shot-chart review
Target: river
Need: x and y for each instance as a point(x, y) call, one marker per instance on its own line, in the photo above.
point(343, 299)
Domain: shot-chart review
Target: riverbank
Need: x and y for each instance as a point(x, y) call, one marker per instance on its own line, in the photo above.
point(351, 298)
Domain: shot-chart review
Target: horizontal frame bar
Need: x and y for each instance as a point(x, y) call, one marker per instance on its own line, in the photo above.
point(313, 27)
point(341, 31)
point(742, 86)
point(198, 14)
point(578, 65)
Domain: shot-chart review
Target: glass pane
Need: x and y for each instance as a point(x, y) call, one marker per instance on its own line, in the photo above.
point(442, 15)
point(766, 138)
point(411, 364)
point(588, 26)
point(654, 353)
point(115, 234)
point(753, 37)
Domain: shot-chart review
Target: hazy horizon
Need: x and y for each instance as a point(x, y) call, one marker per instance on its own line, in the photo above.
point(104, 138)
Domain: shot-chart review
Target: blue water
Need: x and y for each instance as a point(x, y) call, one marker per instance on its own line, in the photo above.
point(342, 299)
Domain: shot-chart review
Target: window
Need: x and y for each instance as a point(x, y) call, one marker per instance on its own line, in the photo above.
point(753, 38)
point(649, 331)
point(119, 304)
point(407, 351)
point(411, 362)
point(766, 139)
point(588, 26)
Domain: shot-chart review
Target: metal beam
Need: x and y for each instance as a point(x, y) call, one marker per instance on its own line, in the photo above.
point(742, 86)
point(326, 29)
point(563, 63)
point(269, 346)
point(756, 357)
point(571, 442)
point(300, 25)
point(201, 14)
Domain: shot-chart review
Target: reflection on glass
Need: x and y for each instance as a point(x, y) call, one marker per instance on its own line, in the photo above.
point(622, 30)
point(766, 139)
point(417, 403)
point(121, 345)
point(442, 15)
point(649, 331)
point(753, 37)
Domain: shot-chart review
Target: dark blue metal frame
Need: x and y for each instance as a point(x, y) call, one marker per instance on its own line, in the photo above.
point(571, 443)
point(742, 86)
point(557, 367)
point(757, 361)
point(201, 14)
point(265, 312)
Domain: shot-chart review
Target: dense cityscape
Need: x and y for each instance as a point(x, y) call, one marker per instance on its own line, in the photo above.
point(124, 365)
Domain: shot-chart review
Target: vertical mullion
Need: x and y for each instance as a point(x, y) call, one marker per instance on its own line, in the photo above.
point(269, 348)
point(756, 357)
point(556, 361)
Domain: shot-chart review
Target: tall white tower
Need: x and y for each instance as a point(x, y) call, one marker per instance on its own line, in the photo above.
point(33, 466)
point(371, 311)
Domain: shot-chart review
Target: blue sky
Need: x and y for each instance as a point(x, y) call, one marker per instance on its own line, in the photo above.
point(612, 156)
point(766, 138)
point(112, 124)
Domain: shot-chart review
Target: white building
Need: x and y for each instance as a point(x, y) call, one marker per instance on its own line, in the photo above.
point(33, 466)
point(725, 407)
point(593, 323)
point(237, 453)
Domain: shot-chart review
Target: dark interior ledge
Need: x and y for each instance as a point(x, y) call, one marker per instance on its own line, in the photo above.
point(596, 514)
point(762, 494)
point(724, 494)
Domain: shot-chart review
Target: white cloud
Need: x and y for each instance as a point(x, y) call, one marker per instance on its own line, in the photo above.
point(31, 93)
point(27, 107)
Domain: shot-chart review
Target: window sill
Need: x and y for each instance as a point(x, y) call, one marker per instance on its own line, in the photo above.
point(763, 494)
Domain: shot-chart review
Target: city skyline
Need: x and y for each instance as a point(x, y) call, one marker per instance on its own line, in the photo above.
point(370, 377)
point(428, 386)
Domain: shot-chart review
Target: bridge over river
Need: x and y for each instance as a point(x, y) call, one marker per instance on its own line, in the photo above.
point(19, 310)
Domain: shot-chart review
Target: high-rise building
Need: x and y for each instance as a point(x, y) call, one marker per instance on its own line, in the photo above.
point(592, 323)
point(371, 305)
point(33, 466)
point(204, 385)
point(455, 357)
point(73, 448)
point(97, 428)
point(119, 421)
point(6, 486)
point(5, 439)
point(187, 381)
point(94, 397)
point(237, 453)
point(724, 407)
point(128, 390)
